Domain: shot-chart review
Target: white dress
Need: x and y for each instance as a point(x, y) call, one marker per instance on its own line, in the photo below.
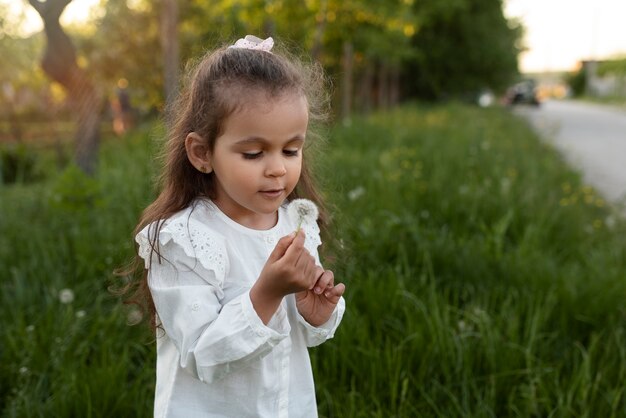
point(215, 357)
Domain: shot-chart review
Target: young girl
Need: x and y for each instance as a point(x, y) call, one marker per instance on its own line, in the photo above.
point(238, 294)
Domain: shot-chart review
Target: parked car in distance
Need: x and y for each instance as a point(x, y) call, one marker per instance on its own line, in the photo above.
point(524, 92)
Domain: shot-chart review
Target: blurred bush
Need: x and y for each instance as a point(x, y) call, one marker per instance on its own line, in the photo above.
point(18, 164)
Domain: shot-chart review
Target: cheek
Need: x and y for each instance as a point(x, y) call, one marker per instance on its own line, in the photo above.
point(296, 170)
point(247, 176)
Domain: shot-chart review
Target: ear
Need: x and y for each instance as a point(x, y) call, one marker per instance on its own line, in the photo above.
point(198, 152)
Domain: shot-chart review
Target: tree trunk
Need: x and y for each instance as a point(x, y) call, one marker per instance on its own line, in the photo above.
point(383, 86)
point(320, 27)
point(169, 43)
point(59, 63)
point(394, 87)
point(346, 80)
point(367, 86)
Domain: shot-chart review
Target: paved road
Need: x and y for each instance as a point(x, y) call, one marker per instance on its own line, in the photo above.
point(591, 137)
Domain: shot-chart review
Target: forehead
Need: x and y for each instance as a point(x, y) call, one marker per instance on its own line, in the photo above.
point(262, 115)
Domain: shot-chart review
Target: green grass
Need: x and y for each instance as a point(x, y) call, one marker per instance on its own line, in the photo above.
point(484, 279)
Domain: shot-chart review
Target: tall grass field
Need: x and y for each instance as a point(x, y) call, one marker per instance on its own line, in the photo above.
point(484, 279)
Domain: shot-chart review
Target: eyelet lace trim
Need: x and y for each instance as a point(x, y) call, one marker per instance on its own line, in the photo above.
point(312, 237)
point(196, 241)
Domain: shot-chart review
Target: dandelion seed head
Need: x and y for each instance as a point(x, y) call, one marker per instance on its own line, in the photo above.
point(80, 314)
point(30, 328)
point(355, 193)
point(134, 317)
point(462, 326)
point(302, 211)
point(66, 296)
point(23, 370)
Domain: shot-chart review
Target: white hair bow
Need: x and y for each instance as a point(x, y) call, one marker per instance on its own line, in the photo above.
point(252, 42)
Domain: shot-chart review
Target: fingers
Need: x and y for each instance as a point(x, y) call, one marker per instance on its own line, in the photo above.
point(326, 280)
point(296, 247)
point(333, 295)
point(306, 264)
point(281, 248)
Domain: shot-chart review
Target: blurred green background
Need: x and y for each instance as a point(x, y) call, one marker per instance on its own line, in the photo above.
point(484, 277)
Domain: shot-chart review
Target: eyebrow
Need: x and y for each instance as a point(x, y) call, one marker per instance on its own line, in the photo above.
point(257, 139)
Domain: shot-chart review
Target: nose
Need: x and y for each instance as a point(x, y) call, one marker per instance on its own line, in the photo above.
point(275, 167)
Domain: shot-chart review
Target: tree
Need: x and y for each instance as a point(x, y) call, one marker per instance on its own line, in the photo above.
point(169, 43)
point(60, 64)
point(462, 46)
point(115, 53)
point(20, 88)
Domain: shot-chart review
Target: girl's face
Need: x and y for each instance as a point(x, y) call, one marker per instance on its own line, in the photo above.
point(258, 158)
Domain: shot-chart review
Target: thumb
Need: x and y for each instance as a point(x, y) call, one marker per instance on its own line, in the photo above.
point(281, 247)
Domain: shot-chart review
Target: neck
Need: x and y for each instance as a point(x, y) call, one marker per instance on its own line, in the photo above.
point(249, 219)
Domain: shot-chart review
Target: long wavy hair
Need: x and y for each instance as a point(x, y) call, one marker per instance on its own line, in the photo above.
point(215, 87)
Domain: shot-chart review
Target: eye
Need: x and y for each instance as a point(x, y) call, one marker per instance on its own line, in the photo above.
point(251, 155)
point(291, 152)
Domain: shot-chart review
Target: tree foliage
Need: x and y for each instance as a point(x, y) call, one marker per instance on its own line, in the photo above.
point(462, 46)
point(615, 67)
point(393, 49)
point(126, 46)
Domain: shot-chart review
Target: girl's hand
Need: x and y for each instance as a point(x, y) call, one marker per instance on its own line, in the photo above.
point(317, 304)
point(289, 269)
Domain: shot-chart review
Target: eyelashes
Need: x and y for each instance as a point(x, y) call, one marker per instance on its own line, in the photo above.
point(251, 155)
point(255, 155)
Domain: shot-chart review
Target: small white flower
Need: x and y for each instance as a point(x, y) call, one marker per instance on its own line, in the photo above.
point(66, 296)
point(462, 326)
point(80, 314)
point(354, 194)
point(23, 370)
point(610, 221)
point(302, 211)
point(30, 328)
point(505, 185)
point(134, 317)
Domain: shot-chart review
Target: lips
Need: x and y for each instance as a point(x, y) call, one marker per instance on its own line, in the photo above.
point(272, 193)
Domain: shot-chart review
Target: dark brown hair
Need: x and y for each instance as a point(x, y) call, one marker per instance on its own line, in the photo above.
point(217, 86)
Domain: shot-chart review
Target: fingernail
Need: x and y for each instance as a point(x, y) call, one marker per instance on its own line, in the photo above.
point(318, 290)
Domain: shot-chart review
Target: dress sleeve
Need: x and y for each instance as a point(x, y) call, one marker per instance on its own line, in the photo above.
point(186, 282)
point(317, 335)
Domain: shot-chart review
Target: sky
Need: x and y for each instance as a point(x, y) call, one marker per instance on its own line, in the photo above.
point(560, 33)
point(76, 11)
